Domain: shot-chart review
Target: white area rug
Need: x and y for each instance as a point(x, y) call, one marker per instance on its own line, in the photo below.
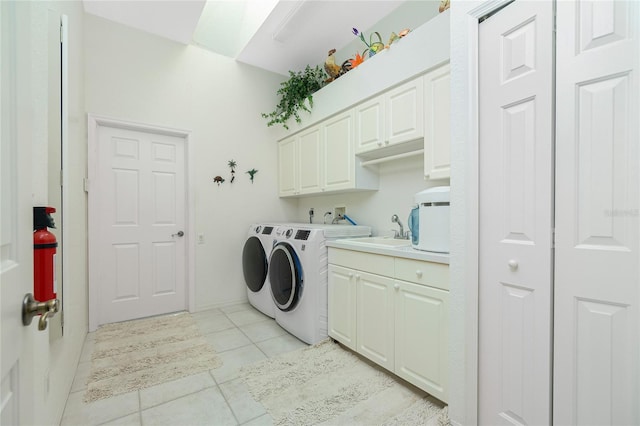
point(326, 384)
point(138, 354)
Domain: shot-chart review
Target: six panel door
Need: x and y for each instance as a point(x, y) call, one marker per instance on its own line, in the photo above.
point(515, 217)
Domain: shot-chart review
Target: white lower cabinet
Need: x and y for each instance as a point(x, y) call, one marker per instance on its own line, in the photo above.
point(374, 313)
point(421, 337)
point(342, 298)
point(392, 311)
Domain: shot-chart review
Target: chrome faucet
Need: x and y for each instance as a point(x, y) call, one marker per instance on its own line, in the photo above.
point(399, 234)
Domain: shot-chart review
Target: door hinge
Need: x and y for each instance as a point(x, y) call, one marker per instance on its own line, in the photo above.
point(553, 238)
point(62, 318)
point(85, 182)
point(61, 177)
point(61, 32)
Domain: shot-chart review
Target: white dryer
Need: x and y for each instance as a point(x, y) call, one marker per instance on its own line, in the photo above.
point(298, 276)
point(255, 264)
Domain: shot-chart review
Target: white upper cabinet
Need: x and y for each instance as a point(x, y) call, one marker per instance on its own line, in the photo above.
point(370, 125)
point(288, 166)
point(310, 160)
point(339, 164)
point(437, 133)
point(392, 122)
point(321, 159)
point(404, 111)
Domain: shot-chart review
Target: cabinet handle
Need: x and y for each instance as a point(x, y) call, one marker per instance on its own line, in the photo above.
point(357, 276)
point(350, 274)
point(419, 273)
point(386, 142)
point(379, 143)
point(513, 264)
point(396, 286)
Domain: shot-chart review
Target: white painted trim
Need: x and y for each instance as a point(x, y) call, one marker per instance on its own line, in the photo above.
point(64, 39)
point(465, 173)
point(93, 122)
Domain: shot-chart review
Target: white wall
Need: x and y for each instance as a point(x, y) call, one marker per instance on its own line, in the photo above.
point(56, 361)
point(139, 77)
point(399, 181)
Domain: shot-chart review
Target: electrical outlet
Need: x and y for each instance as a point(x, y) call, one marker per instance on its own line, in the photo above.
point(339, 211)
point(200, 238)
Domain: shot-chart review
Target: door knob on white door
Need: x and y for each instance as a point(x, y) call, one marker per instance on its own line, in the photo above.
point(513, 264)
point(179, 234)
point(396, 286)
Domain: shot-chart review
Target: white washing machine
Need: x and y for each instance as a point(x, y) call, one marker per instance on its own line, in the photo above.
point(255, 264)
point(298, 276)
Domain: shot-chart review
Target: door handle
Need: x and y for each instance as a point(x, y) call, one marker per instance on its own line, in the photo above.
point(32, 308)
point(179, 234)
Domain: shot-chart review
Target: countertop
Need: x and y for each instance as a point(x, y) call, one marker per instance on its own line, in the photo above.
point(407, 252)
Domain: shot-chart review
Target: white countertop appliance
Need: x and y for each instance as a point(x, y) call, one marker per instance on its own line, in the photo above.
point(433, 220)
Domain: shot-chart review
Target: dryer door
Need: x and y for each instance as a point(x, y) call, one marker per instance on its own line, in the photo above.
point(254, 264)
point(285, 275)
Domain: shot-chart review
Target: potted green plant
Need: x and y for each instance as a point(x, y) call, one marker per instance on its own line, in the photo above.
point(293, 92)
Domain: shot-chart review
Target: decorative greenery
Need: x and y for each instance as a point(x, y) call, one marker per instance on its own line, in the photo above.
point(300, 86)
point(232, 165)
point(251, 174)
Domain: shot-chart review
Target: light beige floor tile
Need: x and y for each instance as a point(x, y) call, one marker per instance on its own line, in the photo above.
point(87, 350)
point(263, 330)
point(236, 307)
point(264, 420)
point(281, 344)
point(234, 360)
point(206, 313)
point(213, 323)
point(79, 413)
point(168, 391)
point(130, 420)
point(240, 400)
point(241, 318)
point(227, 340)
point(206, 407)
point(80, 379)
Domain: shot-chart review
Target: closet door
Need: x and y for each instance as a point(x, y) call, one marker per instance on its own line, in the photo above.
point(516, 184)
point(597, 282)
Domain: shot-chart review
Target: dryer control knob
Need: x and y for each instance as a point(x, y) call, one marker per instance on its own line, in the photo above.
point(289, 233)
point(258, 229)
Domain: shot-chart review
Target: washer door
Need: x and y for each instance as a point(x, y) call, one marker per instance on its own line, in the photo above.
point(285, 275)
point(254, 264)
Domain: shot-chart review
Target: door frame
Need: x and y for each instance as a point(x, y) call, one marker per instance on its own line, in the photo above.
point(95, 121)
point(465, 166)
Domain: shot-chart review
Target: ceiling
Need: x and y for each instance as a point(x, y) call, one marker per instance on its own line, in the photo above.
point(276, 35)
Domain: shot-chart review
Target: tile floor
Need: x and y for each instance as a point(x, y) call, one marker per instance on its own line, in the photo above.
point(240, 334)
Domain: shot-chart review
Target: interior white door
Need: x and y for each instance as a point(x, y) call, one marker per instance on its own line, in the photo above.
point(597, 279)
point(515, 197)
point(138, 202)
point(16, 217)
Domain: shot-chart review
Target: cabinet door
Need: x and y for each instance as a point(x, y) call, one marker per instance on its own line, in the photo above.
point(405, 112)
point(342, 305)
point(339, 160)
point(375, 318)
point(310, 156)
point(370, 122)
point(421, 337)
point(287, 167)
point(437, 126)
